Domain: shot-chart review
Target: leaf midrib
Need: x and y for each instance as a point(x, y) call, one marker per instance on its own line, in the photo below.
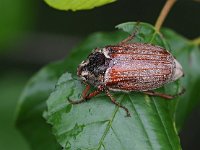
point(108, 126)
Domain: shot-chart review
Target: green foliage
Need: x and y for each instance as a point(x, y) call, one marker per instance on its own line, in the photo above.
point(77, 4)
point(12, 83)
point(15, 17)
point(32, 102)
point(188, 54)
point(98, 123)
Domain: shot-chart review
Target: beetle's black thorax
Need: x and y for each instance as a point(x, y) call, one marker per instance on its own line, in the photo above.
point(94, 70)
point(98, 64)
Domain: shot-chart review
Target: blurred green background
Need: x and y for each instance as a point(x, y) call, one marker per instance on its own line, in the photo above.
point(33, 34)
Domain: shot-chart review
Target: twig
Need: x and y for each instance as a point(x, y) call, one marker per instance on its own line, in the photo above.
point(167, 7)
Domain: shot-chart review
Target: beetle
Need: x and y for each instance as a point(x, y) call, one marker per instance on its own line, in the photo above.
point(127, 67)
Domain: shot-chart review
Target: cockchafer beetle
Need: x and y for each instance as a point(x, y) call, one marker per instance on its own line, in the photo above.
point(128, 67)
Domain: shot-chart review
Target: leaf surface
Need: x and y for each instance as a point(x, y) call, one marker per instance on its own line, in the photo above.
point(98, 124)
point(188, 54)
point(32, 102)
point(77, 4)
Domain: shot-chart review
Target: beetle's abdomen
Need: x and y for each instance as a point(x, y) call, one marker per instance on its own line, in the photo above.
point(139, 67)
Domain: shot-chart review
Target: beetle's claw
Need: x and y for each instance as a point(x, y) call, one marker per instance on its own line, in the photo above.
point(127, 112)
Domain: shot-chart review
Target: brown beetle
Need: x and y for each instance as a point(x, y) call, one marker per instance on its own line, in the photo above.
point(128, 67)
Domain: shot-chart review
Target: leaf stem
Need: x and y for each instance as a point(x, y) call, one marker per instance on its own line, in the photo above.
point(167, 7)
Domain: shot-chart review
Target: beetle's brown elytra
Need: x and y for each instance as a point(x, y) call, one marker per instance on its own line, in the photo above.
point(128, 67)
point(140, 67)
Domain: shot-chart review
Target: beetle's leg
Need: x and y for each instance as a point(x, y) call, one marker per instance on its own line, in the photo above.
point(84, 93)
point(163, 95)
point(85, 96)
point(116, 103)
point(130, 37)
point(153, 93)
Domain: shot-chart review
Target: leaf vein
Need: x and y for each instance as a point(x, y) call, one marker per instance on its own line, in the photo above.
point(144, 129)
point(108, 127)
point(161, 120)
point(118, 138)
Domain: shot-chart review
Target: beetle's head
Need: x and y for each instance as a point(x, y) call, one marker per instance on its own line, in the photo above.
point(92, 67)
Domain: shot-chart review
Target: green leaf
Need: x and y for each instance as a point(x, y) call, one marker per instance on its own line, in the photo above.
point(145, 33)
point(98, 124)
point(12, 83)
point(188, 54)
point(76, 4)
point(32, 102)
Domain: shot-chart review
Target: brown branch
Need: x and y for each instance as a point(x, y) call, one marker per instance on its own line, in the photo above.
point(167, 7)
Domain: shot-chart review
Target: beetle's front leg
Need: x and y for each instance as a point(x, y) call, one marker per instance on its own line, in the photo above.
point(86, 96)
point(163, 95)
